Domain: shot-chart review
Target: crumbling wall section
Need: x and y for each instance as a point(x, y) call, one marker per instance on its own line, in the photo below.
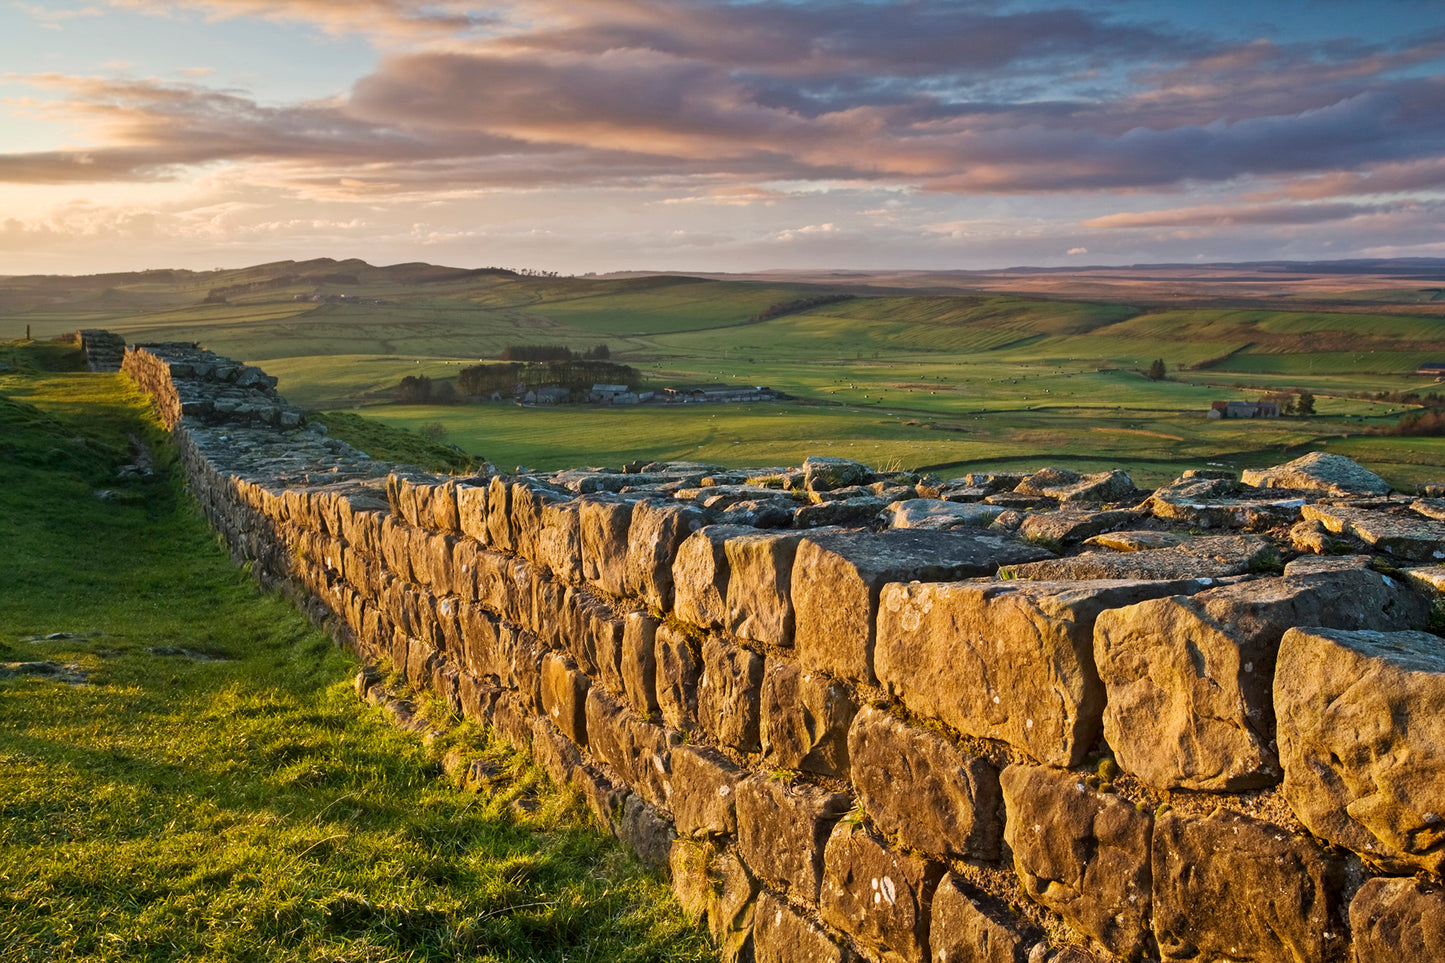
point(861, 717)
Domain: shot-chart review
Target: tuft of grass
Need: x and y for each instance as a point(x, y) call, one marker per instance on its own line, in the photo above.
point(422, 447)
point(243, 805)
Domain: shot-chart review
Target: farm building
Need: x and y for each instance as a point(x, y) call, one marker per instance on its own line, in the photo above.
point(1432, 369)
point(1244, 409)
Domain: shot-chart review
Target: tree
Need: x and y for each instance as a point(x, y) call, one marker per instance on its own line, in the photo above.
point(414, 390)
point(1157, 371)
point(1305, 404)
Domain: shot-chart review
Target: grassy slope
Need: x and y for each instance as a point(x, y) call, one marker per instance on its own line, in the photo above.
point(912, 377)
point(249, 808)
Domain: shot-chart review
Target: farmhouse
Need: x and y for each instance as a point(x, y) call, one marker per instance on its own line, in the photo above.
point(1244, 409)
point(716, 394)
point(1432, 369)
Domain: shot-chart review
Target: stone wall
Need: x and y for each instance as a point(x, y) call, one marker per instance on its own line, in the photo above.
point(884, 717)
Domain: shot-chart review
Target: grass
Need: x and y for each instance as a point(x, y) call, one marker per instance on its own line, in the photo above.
point(952, 381)
point(237, 802)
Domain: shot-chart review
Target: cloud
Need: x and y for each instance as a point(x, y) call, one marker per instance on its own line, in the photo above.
point(720, 102)
point(1077, 250)
point(1234, 215)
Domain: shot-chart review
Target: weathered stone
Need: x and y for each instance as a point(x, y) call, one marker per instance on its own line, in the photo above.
point(604, 798)
point(1398, 919)
point(499, 514)
point(714, 885)
point(759, 604)
point(923, 790)
point(1223, 503)
point(559, 546)
point(1189, 679)
point(877, 895)
point(936, 513)
point(825, 474)
point(639, 752)
point(700, 575)
point(805, 719)
point(564, 697)
point(1065, 527)
point(1319, 471)
point(658, 528)
point(679, 666)
point(837, 578)
point(1429, 578)
point(530, 500)
point(1137, 541)
point(1231, 887)
point(639, 661)
point(648, 832)
point(1209, 556)
point(704, 792)
point(861, 511)
point(1082, 854)
point(728, 692)
point(782, 829)
point(1361, 729)
point(605, 520)
point(1104, 486)
point(1004, 660)
point(968, 929)
point(1040, 482)
point(780, 935)
point(1409, 538)
point(555, 753)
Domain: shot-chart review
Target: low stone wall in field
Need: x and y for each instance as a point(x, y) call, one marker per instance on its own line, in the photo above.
point(884, 717)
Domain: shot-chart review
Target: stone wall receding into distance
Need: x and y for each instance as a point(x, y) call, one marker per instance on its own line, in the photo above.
point(862, 716)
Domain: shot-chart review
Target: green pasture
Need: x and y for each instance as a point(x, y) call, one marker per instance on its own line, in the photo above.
point(208, 787)
point(915, 380)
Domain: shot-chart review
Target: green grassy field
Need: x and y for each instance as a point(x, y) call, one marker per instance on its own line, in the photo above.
point(212, 789)
point(943, 381)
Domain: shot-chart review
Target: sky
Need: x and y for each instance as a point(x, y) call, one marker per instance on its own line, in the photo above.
point(718, 135)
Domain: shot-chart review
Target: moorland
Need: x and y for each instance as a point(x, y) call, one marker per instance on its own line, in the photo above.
point(936, 371)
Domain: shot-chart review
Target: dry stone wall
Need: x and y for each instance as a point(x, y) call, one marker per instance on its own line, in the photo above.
point(884, 717)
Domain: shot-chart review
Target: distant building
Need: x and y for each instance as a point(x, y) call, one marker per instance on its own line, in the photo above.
point(1244, 409)
point(1432, 369)
point(612, 395)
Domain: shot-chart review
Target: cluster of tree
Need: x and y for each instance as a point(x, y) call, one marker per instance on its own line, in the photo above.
point(553, 352)
point(1157, 370)
point(1301, 403)
point(421, 390)
point(1430, 399)
point(580, 374)
point(798, 304)
point(1426, 423)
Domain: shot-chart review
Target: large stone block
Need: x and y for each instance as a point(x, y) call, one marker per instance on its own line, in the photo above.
point(781, 935)
point(658, 529)
point(1004, 660)
point(556, 753)
point(700, 575)
point(648, 831)
point(1407, 537)
point(530, 500)
point(759, 601)
point(704, 799)
point(837, 578)
point(605, 522)
point(1230, 887)
point(1394, 920)
point(679, 666)
point(1083, 854)
point(966, 928)
point(1189, 680)
point(499, 514)
point(728, 692)
point(559, 547)
point(564, 697)
point(472, 511)
point(782, 829)
point(923, 790)
point(639, 662)
point(805, 718)
point(639, 752)
point(1361, 729)
point(877, 895)
point(713, 885)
